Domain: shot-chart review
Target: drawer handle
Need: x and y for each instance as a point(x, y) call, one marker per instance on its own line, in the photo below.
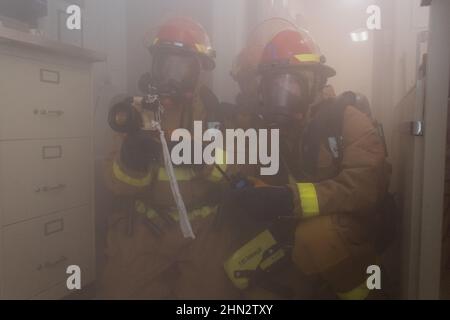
point(60, 186)
point(49, 76)
point(53, 227)
point(51, 264)
point(44, 112)
point(52, 152)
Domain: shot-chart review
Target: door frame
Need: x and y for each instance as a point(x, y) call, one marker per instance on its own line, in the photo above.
point(435, 143)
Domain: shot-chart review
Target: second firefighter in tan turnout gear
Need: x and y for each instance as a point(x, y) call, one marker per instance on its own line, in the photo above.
point(333, 176)
point(147, 255)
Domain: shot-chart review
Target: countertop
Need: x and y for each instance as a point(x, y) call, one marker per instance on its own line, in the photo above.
point(39, 42)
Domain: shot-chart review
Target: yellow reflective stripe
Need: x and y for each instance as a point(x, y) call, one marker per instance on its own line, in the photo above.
point(308, 199)
point(249, 257)
point(216, 175)
point(221, 157)
point(359, 293)
point(151, 213)
point(220, 162)
point(202, 212)
point(135, 182)
point(307, 57)
point(268, 262)
point(140, 207)
point(181, 174)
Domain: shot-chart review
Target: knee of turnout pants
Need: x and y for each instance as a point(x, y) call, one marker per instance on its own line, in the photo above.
point(339, 250)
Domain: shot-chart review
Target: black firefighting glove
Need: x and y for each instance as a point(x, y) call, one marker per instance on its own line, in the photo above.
point(262, 203)
point(139, 151)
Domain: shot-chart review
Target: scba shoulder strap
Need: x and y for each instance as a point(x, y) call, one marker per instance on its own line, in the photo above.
point(326, 127)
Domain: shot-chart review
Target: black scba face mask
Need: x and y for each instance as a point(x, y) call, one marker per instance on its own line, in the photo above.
point(285, 94)
point(175, 74)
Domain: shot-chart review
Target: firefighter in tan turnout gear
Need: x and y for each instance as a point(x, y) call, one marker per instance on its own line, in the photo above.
point(319, 217)
point(147, 255)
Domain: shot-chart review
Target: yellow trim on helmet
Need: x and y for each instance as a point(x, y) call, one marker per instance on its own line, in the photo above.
point(308, 199)
point(135, 182)
point(307, 57)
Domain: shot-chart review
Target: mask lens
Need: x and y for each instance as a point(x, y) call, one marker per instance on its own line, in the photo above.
point(285, 94)
point(182, 70)
point(285, 91)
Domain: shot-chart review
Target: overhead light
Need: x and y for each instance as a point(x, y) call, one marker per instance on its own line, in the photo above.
point(284, 3)
point(359, 35)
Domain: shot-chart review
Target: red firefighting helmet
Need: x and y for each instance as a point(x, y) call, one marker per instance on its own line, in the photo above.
point(294, 48)
point(247, 61)
point(186, 35)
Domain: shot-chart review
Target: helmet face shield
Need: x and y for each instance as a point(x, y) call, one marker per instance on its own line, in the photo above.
point(178, 71)
point(285, 94)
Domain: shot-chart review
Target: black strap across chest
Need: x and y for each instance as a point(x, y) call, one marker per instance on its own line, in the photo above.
point(324, 129)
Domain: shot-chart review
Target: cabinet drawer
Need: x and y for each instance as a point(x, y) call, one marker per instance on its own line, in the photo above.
point(43, 176)
point(36, 253)
point(39, 100)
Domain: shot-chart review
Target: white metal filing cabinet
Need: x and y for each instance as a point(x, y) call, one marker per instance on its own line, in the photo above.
point(46, 165)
